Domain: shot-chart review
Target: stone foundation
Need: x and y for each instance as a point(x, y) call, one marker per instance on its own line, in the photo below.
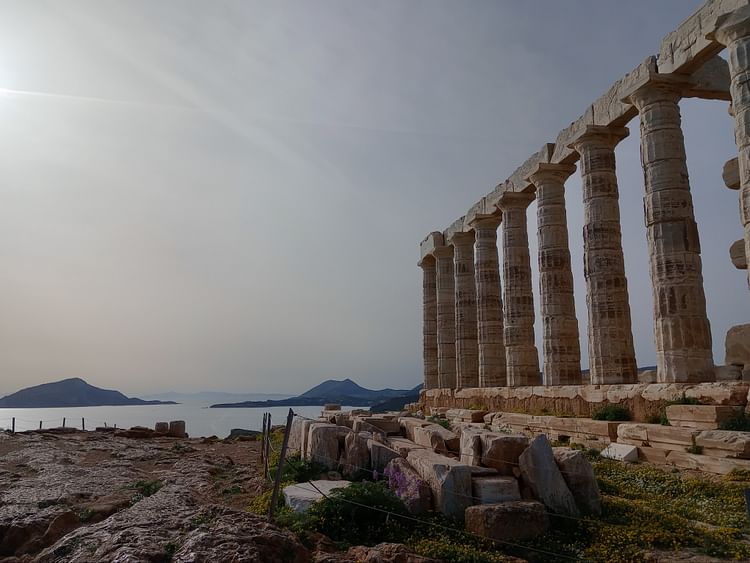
point(644, 401)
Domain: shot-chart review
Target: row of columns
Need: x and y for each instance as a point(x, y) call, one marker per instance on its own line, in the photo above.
point(485, 340)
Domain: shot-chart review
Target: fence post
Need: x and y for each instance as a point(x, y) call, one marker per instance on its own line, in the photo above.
point(13, 426)
point(63, 422)
point(747, 503)
point(40, 425)
point(263, 440)
point(83, 424)
point(267, 446)
point(280, 467)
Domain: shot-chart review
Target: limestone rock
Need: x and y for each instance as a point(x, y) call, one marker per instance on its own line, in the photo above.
point(494, 489)
point(730, 443)
point(300, 496)
point(706, 463)
point(621, 452)
point(401, 445)
point(408, 486)
point(408, 424)
point(541, 474)
point(448, 479)
point(502, 451)
point(705, 417)
point(517, 520)
point(738, 345)
point(580, 478)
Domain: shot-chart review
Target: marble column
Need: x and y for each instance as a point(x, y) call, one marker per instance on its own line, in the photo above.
point(446, 317)
point(610, 335)
point(562, 347)
point(467, 351)
point(522, 358)
point(681, 328)
point(733, 31)
point(429, 322)
point(492, 372)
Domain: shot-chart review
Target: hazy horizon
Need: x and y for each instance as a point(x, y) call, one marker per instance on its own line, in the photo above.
point(229, 196)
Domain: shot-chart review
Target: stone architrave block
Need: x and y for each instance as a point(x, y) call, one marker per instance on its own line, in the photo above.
point(408, 424)
point(704, 417)
point(634, 432)
point(494, 489)
point(664, 436)
point(471, 446)
point(401, 445)
point(408, 486)
point(580, 478)
point(501, 451)
point(448, 479)
point(725, 443)
point(541, 474)
point(438, 438)
point(300, 496)
point(737, 345)
point(620, 452)
point(380, 455)
point(515, 520)
point(323, 443)
point(708, 464)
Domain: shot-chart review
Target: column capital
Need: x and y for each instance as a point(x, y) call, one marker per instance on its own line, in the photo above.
point(515, 200)
point(731, 26)
point(460, 238)
point(486, 220)
point(426, 263)
point(443, 252)
point(599, 136)
point(658, 87)
point(548, 172)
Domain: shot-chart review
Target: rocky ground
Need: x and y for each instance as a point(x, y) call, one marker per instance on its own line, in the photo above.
point(93, 497)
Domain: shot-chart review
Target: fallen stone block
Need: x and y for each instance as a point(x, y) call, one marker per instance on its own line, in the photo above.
point(448, 479)
point(737, 345)
point(704, 417)
point(494, 489)
point(402, 445)
point(301, 496)
point(580, 478)
point(732, 443)
point(501, 451)
point(652, 455)
point(361, 425)
point(541, 474)
point(380, 455)
point(470, 446)
point(408, 424)
point(438, 438)
point(620, 452)
point(516, 520)
point(635, 432)
point(720, 466)
point(161, 428)
point(466, 415)
point(408, 486)
point(666, 437)
point(356, 457)
point(323, 443)
point(389, 426)
point(177, 429)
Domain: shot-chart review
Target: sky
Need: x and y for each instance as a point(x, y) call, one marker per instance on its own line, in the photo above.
point(230, 195)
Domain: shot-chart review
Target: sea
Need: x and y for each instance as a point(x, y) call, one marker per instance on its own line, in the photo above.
point(200, 421)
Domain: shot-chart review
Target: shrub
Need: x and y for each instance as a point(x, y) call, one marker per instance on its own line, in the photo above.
point(299, 470)
point(611, 412)
point(357, 515)
point(738, 475)
point(260, 504)
point(441, 421)
point(739, 421)
point(694, 450)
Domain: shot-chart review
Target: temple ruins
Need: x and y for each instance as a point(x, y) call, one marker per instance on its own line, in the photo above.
point(478, 299)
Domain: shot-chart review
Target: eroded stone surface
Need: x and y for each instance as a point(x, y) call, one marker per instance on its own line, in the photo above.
point(541, 474)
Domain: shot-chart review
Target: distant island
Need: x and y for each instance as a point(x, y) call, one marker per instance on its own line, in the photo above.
point(74, 392)
point(210, 397)
point(343, 392)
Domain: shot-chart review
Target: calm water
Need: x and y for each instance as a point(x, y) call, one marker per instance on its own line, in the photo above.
point(200, 421)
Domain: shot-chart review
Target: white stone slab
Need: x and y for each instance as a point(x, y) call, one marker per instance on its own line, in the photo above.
point(620, 452)
point(301, 496)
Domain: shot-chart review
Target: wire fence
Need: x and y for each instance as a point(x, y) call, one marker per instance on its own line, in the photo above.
point(17, 424)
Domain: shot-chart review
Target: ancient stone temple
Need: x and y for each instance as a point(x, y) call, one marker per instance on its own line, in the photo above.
point(479, 303)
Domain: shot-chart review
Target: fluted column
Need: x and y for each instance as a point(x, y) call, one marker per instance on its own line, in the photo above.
point(610, 336)
point(733, 31)
point(429, 322)
point(562, 347)
point(522, 358)
point(492, 372)
point(446, 318)
point(681, 328)
point(467, 352)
